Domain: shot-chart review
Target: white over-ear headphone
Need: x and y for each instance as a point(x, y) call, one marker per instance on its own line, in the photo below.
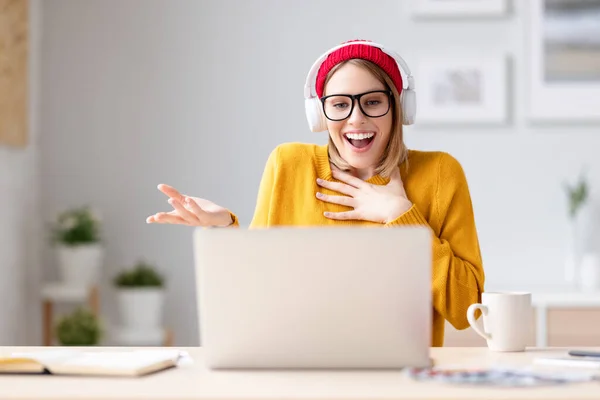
point(314, 108)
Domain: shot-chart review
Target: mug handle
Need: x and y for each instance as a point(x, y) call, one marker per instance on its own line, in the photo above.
point(473, 322)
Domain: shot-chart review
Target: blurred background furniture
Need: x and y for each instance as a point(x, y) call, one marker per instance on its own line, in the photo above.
point(561, 318)
point(53, 293)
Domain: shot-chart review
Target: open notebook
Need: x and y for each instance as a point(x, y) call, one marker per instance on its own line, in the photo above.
point(89, 362)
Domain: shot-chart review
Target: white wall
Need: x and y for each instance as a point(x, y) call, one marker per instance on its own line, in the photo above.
point(197, 93)
point(19, 217)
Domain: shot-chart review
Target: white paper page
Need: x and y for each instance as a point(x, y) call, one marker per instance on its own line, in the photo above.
point(118, 360)
point(46, 356)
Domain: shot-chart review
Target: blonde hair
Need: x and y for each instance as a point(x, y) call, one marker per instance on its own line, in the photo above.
point(395, 153)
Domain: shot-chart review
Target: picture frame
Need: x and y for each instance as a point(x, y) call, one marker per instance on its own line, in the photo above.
point(460, 8)
point(462, 89)
point(14, 65)
point(564, 61)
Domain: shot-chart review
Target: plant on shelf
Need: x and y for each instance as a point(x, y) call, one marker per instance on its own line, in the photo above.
point(577, 195)
point(77, 239)
point(80, 328)
point(77, 226)
point(140, 296)
point(143, 274)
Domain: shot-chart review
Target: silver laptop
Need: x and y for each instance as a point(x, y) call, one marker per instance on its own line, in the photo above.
point(314, 297)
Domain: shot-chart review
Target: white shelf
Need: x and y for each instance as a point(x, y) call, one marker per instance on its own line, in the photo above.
point(566, 299)
point(58, 291)
point(554, 296)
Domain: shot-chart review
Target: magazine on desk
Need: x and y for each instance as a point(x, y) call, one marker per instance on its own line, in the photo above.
point(501, 375)
point(125, 363)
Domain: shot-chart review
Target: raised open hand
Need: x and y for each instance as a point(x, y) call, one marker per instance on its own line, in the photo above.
point(191, 211)
point(376, 203)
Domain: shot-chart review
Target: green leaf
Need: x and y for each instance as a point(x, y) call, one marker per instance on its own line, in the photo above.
point(577, 195)
point(80, 328)
point(76, 226)
point(141, 275)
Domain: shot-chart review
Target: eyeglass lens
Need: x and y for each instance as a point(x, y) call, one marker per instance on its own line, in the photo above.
point(339, 107)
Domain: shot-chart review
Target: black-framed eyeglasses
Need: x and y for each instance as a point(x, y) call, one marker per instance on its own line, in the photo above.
point(374, 104)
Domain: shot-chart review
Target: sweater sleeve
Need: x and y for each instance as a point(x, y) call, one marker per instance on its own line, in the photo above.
point(457, 276)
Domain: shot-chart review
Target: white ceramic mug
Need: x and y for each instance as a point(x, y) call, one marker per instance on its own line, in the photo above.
point(507, 319)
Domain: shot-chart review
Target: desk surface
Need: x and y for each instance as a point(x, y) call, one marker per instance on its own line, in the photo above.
point(194, 381)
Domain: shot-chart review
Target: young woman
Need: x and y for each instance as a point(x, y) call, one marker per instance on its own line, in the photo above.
point(364, 176)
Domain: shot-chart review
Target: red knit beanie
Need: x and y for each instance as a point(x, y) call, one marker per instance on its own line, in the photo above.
point(364, 51)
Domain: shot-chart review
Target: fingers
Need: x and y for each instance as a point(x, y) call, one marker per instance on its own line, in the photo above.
point(183, 212)
point(171, 192)
point(166, 218)
point(346, 215)
point(186, 210)
point(196, 209)
point(337, 187)
point(349, 179)
point(187, 213)
point(341, 200)
point(153, 218)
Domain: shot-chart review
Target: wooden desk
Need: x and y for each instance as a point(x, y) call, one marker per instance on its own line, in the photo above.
point(196, 382)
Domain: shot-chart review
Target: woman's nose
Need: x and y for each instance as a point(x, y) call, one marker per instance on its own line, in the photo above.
point(357, 116)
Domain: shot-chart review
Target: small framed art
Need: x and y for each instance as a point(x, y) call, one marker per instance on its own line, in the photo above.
point(14, 45)
point(564, 60)
point(460, 8)
point(462, 90)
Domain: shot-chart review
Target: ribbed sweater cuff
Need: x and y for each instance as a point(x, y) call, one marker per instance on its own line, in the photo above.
point(411, 217)
point(235, 220)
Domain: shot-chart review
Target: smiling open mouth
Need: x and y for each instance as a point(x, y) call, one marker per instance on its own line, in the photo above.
point(360, 140)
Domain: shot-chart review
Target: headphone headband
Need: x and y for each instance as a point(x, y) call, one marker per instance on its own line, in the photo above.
point(309, 86)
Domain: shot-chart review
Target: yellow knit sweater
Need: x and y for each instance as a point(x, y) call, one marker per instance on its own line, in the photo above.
point(436, 185)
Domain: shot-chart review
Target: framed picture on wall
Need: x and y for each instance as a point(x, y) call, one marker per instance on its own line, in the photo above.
point(564, 60)
point(14, 45)
point(459, 8)
point(461, 90)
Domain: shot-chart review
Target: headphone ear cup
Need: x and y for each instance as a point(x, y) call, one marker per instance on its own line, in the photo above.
point(408, 98)
point(314, 115)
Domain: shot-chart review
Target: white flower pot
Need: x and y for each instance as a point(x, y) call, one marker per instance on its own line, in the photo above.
point(80, 264)
point(590, 272)
point(571, 259)
point(141, 307)
point(578, 235)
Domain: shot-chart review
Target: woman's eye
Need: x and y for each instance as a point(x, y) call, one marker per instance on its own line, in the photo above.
point(340, 105)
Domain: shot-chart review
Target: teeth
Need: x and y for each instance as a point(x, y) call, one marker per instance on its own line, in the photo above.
point(359, 136)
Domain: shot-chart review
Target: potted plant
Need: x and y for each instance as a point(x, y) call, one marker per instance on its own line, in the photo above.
point(577, 196)
point(140, 296)
point(80, 328)
point(76, 236)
